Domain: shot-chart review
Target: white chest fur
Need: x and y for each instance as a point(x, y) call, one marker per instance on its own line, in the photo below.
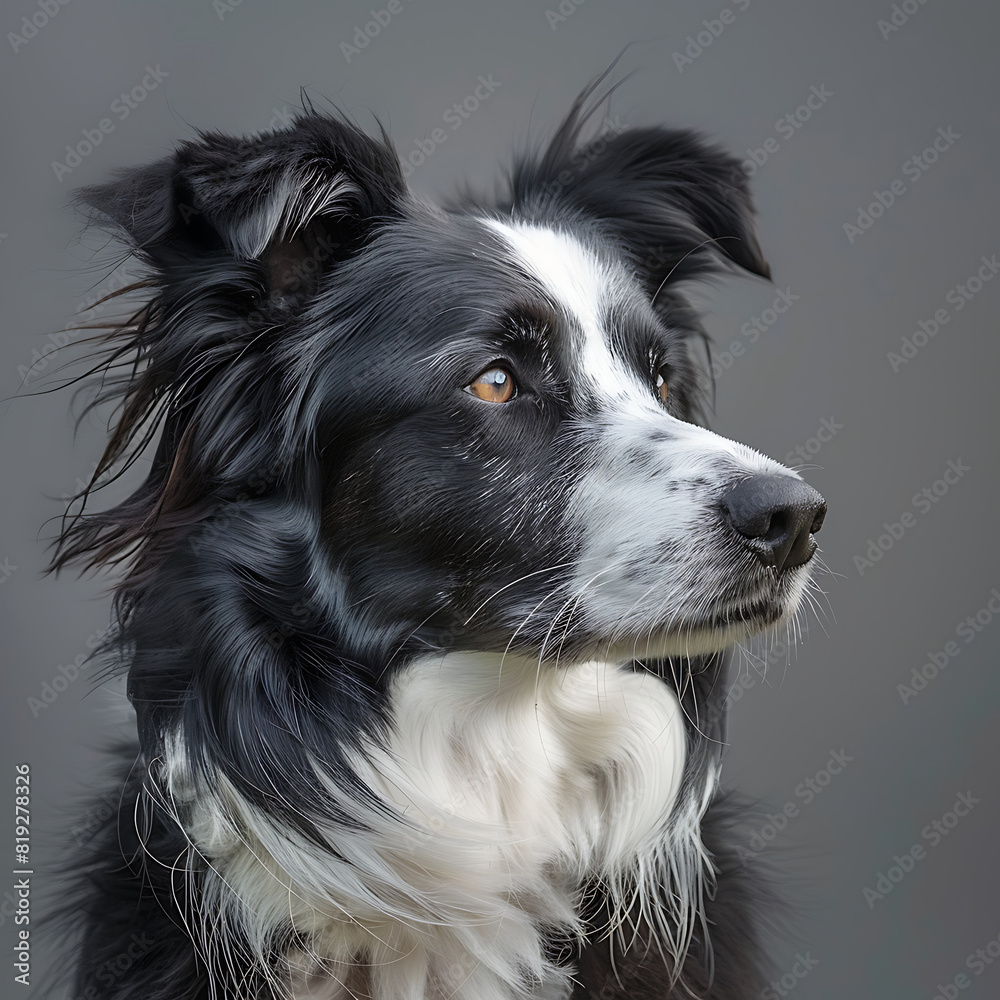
point(518, 784)
point(503, 788)
point(571, 769)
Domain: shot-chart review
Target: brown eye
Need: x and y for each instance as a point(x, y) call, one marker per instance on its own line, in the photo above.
point(662, 389)
point(494, 386)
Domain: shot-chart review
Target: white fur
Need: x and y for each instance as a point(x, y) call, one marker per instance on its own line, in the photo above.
point(652, 556)
point(504, 788)
point(581, 284)
point(294, 201)
point(655, 554)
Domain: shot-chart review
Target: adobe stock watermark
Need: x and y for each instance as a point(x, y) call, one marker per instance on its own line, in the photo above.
point(223, 8)
point(938, 660)
point(777, 652)
point(365, 33)
point(121, 107)
point(924, 500)
point(931, 835)
point(786, 127)
point(805, 793)
point(711, 29)
point(582, 158)
point(30, 26)
point(977, 962)
point(565, 10)
point(81, 484)
point(751, 330)
point(813, 445)
point(958, 297)
point(281, 118)
point(107, 973)
point(913, 169)
point(899, 15)
point(7, 570)
point(454, 116)
point(804, 964)
point(96, 819)
point(63, 677)
point(87, 310)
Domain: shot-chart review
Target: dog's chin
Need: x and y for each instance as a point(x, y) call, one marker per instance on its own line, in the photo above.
point(696, 640)
point(715, 630)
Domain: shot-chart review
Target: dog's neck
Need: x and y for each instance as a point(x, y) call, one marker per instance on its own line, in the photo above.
point(575, 768)
point(505, 789)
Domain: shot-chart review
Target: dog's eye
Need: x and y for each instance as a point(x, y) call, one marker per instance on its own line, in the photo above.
point(496, 385)
point(662, 388)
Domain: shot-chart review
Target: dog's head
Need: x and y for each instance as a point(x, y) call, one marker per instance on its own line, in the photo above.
point(388, 431)
point(390, 428)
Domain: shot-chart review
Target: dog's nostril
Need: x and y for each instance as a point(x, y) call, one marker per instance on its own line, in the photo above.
point(779, 514)
point(777, 526)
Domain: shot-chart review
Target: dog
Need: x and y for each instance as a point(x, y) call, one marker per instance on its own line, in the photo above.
point(427, 601)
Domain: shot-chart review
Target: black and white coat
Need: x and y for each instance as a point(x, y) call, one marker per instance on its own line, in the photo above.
point(429, 682)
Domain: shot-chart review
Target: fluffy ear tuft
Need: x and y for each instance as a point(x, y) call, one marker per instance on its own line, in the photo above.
point(678, 204)
point(236, 234)
point(293, 200)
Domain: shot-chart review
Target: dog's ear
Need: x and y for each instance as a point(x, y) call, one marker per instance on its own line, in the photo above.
point(284, 206)
point(236, 235)
point(678, 204)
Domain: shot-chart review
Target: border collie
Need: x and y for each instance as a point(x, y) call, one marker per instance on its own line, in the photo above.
point(425, 601)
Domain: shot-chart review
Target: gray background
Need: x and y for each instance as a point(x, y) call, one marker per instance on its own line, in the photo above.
point(826, 357)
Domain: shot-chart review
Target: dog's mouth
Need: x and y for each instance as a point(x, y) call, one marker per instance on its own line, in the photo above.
point(753, 616)
point(743, 604)
point(719, 628)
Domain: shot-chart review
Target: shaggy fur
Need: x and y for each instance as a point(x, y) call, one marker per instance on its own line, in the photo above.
point(429, 687)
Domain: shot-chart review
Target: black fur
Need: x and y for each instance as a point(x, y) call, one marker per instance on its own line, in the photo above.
point(299, 536)
point(126, 912)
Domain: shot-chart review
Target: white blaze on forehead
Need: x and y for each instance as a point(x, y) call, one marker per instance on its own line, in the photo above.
point(581, 285)
point(655, 557)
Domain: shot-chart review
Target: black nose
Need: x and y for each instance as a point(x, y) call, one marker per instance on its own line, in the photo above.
point(779, 514)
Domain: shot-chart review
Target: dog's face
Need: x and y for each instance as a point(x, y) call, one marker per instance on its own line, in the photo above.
point(390, 432)
point(478, 423)
point(526, 474)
